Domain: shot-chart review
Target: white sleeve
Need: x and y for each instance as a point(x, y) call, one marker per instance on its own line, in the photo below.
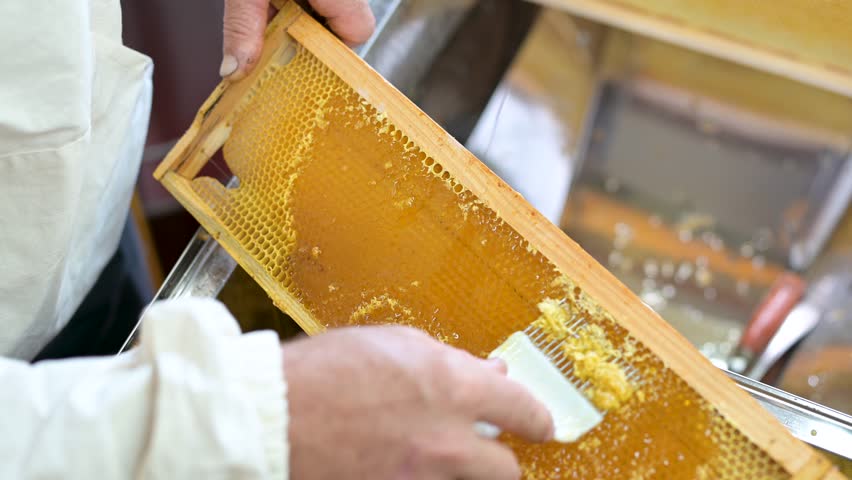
point(196, 399)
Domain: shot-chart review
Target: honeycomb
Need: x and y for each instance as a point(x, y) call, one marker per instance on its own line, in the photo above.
point(361, 226)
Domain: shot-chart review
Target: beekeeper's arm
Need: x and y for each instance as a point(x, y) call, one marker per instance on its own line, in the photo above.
point(196, 400)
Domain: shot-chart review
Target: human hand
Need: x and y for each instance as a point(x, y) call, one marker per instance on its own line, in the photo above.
point(392, 403)
point(245, 22)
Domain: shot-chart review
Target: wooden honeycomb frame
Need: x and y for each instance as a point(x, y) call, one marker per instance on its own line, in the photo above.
point(293, 30)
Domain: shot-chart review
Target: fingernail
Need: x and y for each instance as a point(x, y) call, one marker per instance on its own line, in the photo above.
point(229, 66)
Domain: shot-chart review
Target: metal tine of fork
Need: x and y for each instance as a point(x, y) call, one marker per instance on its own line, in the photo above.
point(552, 348)
point(545, 344)
point(542, 347)
point(577, 384)
point(560, 360)
point(558, 356)
point(634, 375)
point(618, 360)
point(551, 343)
point(576, 322)
point(554, 353)
point(565, 362)
point(628, 368)
point(542, 336)
point(533, 331)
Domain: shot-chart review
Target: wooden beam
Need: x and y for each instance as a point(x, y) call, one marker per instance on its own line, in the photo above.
point(802, 40)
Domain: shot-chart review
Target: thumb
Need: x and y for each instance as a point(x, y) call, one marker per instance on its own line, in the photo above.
point(245, 22)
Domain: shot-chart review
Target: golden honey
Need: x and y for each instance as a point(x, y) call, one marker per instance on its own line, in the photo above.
point(361, 226)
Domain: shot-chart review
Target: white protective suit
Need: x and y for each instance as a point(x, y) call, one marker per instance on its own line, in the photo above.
point(197, 399)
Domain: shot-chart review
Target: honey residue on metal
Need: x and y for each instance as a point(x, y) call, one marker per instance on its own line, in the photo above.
point(554, 319)
point(594, 359)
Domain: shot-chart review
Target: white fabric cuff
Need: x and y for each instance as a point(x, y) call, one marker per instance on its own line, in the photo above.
point(259, 372)
point(223, 392)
